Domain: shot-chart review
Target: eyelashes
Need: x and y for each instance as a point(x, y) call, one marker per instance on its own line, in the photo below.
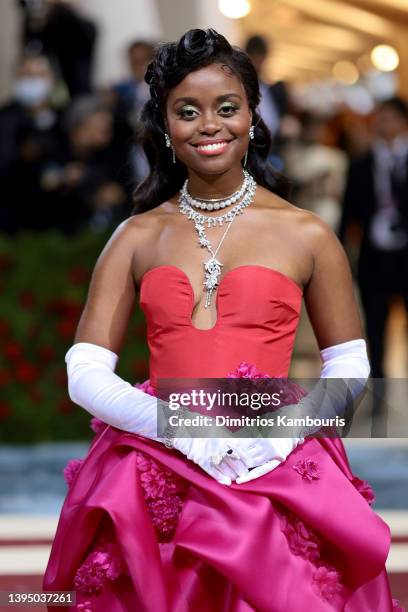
point(190, 112)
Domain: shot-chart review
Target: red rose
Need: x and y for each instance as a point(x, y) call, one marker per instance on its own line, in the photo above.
point(64, 307)
point(5, 378)
point(61, 378)
point(13, 350)
point(46, 353)
point(78, 275)
point(65, 406)
point(4, 328)
point(35, 395)
point(26, 299)
point(66, 328)
point(26, 372)
point(5, 410)
point(140, 368)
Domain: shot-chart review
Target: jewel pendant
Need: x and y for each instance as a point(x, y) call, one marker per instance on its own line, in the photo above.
point(212, 269)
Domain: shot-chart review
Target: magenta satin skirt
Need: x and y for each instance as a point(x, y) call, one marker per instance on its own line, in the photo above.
point(143, 529)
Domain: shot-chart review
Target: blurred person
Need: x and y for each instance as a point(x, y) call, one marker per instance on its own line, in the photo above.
point(375, 217)
point(29, 131)
point(129, 96)
point(274, 104)
point(173, 522)
point(66, 36)
point(88, 177)
point(317, 170)
point(133, 92)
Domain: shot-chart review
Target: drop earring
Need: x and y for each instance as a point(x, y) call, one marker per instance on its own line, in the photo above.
point(168, 144)
point(251, 134)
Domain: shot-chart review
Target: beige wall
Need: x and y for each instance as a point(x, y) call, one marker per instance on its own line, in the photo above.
point(9, 44)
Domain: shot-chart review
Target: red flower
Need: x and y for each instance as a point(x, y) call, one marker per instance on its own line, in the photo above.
point(5, 378)
point(140, 368)
point(364, 488)
point(327, 580)
point(141, 330)
point(4, 328)
point(5, 410)
point(13, 350)
point(247, 370)
point(66, 328)
point(35, 395)
point(71, 470)
point(46, 353)
point(78, 275)
point(65, 406)
point(26, 299)
point(26, 372)
point(308, 469)
point(64, 307)
point(61, 378)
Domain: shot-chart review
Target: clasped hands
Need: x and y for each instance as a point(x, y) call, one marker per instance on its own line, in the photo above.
point(234, 458)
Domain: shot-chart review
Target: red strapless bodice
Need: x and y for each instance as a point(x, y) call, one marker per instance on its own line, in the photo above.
point(258, 310)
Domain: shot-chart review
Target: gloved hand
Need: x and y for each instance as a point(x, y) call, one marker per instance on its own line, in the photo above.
point(93, 385)
point(347, 364)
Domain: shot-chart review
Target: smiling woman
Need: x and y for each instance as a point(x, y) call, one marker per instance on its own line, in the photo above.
point(192, 519)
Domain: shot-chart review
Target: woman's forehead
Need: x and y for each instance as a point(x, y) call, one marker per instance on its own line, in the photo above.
point(211, 81)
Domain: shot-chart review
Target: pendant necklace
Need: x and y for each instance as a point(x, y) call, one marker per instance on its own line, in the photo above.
point(212, 267)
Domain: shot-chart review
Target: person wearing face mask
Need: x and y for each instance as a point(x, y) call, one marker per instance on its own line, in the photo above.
point(30, 131)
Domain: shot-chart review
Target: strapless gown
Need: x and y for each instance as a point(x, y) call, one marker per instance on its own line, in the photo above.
point(143, 529)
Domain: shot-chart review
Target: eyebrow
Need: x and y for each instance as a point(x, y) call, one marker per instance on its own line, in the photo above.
point(224, 97)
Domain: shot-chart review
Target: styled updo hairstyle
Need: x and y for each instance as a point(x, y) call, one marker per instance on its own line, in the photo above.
point(172, 62)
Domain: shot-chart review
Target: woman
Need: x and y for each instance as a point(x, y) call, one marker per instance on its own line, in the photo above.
point(178, 523)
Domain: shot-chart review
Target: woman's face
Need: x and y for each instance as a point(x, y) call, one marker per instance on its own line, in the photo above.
point(208, 119)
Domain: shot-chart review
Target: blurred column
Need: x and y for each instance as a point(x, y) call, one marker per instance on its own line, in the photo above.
point(119, 22)
point(10, 21)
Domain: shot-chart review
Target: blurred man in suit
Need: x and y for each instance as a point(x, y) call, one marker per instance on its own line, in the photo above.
point(376, 201)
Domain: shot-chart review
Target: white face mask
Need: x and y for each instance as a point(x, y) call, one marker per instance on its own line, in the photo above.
point(31, 91)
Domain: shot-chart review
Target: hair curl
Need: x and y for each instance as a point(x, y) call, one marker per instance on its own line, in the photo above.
point(172, 62)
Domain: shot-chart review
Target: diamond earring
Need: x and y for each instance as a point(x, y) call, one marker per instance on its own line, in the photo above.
point(252, 132)
point(168, 144)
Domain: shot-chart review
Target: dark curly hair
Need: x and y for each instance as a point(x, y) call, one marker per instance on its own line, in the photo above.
point(172, 62)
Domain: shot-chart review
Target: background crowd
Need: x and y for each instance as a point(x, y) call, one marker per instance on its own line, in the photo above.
point(71, 154)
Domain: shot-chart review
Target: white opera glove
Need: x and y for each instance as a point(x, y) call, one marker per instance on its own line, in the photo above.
point(93, 385)
point(343, 376)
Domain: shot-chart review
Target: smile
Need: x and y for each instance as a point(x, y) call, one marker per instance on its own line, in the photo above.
point(212, 148)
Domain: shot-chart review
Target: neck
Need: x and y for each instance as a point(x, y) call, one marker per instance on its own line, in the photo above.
point(215, 185)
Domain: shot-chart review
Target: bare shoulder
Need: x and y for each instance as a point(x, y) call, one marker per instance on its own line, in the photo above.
point(303, 236)
point(138, 231)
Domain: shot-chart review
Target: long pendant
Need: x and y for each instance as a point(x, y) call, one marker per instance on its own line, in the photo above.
point(212, 269)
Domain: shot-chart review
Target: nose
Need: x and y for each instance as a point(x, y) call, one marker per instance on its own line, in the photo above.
point(210, 123)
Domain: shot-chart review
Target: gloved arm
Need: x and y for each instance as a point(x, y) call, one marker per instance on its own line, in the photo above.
point(344, 374)
point(93, 385)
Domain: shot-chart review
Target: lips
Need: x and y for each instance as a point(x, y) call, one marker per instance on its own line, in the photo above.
point(211, 147)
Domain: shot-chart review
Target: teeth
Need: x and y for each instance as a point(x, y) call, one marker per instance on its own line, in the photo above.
point(212, 147)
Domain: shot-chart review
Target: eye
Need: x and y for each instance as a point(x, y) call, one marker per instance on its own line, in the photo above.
point(228, 109)
point(187, 112)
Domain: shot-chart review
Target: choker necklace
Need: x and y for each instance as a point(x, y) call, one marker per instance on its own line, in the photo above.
point(215, 203)
point(212, 267)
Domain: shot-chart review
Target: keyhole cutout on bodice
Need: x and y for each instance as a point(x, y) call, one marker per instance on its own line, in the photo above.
point(201, 318)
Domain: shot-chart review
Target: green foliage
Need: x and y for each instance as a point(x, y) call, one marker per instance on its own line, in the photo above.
point(44, 280)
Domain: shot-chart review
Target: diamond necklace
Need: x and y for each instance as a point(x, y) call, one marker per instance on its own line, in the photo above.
point(215, 203)
point(212, 267)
